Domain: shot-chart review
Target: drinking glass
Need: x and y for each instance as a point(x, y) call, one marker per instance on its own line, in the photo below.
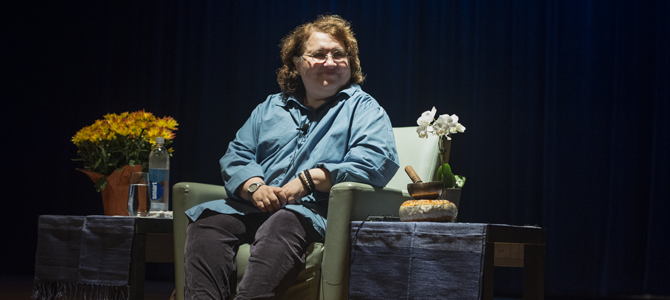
point(138, 194)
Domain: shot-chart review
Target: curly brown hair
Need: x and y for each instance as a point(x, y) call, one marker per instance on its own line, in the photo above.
point(292, 48)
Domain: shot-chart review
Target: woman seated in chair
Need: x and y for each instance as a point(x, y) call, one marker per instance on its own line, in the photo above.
point(322, 129)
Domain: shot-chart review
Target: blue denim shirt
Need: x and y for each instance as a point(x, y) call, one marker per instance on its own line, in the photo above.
point(350, 135)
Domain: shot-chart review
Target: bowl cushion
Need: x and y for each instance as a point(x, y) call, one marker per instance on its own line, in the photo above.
point(428, 210)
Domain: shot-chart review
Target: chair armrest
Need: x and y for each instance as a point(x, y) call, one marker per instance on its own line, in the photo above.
point(351, 202)
point(184, 196)
point(188, 194)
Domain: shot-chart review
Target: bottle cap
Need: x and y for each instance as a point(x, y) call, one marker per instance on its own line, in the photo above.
point(160, 140)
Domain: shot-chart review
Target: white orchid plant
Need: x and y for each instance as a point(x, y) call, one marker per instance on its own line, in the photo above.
point(444, 126)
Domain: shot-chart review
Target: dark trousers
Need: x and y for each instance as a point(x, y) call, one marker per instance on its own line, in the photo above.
point(277, 245)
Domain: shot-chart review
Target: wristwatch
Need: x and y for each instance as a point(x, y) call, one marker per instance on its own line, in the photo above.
point(254, 187)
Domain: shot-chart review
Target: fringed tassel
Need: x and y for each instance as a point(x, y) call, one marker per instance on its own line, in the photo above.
point(40, 290)
point(53, 290)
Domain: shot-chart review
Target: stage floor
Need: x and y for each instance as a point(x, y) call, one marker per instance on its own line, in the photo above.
point(21, 288)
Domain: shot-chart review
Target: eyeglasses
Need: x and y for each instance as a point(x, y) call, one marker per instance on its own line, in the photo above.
point(321, 58)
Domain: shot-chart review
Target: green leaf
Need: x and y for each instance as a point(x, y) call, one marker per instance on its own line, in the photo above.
point(101, 184)
point(460, 181)
point(449, 179)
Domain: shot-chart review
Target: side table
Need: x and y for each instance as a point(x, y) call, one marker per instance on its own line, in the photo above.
point(429, 260)
point(78, 256)
point(515, 246)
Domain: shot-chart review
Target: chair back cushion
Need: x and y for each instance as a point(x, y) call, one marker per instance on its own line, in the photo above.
point(421, 154)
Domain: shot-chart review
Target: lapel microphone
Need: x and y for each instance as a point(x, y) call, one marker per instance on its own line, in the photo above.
point(304, 128)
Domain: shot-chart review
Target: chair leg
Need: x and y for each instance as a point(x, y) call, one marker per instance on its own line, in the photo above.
point(533, 272)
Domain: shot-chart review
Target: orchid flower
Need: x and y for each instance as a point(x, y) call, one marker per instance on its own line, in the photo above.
point(426, 117)
point(444, 126)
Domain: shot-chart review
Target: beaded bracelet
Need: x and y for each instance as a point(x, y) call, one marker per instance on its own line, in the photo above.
point(309, 180)
point(304, 183)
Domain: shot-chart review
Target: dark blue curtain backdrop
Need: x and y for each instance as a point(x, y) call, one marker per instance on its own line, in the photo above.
point(565, 104)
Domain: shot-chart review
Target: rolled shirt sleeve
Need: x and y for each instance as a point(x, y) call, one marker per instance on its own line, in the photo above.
point(239, 163)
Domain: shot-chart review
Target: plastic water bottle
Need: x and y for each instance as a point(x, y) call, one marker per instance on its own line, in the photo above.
point(159, 175)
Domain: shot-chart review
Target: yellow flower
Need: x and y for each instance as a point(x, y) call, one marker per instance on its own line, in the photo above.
point(144, 115)
point(123, 138)
point(124, 131)
point(167, 122)
point(172, 123)
point(167, 134)
point(153, 133)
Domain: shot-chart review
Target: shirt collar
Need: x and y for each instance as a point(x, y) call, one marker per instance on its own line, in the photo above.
point(349, 91)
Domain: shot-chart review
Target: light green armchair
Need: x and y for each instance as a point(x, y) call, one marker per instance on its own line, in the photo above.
point(326, 274)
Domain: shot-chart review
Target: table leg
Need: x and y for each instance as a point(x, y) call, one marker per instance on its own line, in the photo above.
point(533, 272)
point(487, 277)
point(137, 267)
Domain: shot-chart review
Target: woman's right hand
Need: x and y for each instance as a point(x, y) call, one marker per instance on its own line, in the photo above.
point(268, 198)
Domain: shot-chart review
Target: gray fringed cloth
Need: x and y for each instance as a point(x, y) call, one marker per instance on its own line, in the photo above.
point(416, 260)
point(83, 257)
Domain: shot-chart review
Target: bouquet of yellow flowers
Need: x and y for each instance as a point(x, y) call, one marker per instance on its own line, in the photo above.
point(119, 140)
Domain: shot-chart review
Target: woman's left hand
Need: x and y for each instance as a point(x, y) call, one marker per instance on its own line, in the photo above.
point(294, 191)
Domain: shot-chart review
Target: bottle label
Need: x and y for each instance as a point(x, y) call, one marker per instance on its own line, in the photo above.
point(156, 178)
point(156, 190)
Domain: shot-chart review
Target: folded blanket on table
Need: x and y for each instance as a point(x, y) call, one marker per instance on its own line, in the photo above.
point(416, 260)
point(83, 257)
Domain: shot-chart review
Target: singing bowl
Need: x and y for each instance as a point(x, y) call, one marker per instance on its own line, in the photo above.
point(425, 190)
